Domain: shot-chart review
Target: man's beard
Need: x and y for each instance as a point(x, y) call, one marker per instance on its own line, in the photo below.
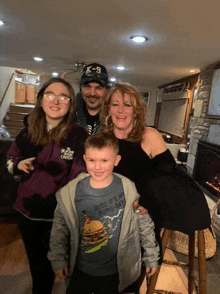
point(91, 102)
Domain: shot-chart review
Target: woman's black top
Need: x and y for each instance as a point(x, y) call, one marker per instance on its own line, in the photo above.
point(172, 198)
point(134, 161)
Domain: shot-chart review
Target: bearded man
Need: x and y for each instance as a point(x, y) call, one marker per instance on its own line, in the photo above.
point(93, 86)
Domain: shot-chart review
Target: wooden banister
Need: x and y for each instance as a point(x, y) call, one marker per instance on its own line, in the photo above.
point(3, 97)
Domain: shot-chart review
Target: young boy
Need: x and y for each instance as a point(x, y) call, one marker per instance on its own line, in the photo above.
point(96, 236)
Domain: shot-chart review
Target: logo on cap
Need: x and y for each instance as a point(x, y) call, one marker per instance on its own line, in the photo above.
point(94, 72)
point(90, 68)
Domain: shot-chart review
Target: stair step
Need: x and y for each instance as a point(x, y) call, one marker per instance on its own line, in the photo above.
point(21, 108)
point(14, 123)
point(15, 116)
point(14, 131)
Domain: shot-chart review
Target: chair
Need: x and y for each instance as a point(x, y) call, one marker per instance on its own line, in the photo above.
point(200, 286)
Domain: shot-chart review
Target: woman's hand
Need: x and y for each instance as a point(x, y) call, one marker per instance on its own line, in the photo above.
point(26, 165)
point(139, 209)
point(62, 274)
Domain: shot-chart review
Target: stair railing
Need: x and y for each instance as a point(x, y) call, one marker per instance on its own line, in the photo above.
point(6, 90)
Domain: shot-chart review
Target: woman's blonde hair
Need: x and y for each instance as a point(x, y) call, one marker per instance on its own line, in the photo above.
point(139, 108)
point(37, 124)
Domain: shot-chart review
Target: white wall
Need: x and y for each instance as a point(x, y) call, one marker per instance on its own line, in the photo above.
point(73, 82)
point(152, 104)
point(5, 75)
point(152, 107)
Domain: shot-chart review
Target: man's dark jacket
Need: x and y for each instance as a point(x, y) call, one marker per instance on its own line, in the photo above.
point(81, 115)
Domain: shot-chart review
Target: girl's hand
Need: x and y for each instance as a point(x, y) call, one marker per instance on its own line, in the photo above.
point(139, 209)
point(26, 165)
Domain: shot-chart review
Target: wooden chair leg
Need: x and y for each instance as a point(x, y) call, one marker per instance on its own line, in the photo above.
point(202, 263)
point(191, 263)
point(201, 288)
point(153, 279)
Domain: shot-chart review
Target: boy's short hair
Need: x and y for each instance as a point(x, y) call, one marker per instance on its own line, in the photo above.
point(102, 140)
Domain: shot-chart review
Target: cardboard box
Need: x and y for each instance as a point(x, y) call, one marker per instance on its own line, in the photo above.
point(25, 93)
point(31, 95)
point(19, 93)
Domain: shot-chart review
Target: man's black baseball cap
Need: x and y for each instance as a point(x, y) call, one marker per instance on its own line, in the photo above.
point(94, 72)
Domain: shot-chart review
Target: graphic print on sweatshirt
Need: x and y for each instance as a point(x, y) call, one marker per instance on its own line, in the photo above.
point(67, 153)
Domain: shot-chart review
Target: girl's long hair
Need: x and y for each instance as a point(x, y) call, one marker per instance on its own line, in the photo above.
point(37, 124)
point(139, 107)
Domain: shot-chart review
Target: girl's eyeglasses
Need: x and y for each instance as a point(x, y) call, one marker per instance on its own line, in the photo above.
point(62, 98)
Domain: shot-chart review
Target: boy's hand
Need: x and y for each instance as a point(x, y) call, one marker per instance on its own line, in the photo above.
point(139, 209)
point(26, 165)
point(62, 274)
point(150, 271)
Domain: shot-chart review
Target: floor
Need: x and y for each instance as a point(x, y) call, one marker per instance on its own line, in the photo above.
point(213, 270)
point(15, 275)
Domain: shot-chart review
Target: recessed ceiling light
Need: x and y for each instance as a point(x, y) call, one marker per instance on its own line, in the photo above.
point(192, 70)
point(38, 59)
point(120, 67)
point(113, 79)
point(55, 74)
point(1, 23)
point(139, 39)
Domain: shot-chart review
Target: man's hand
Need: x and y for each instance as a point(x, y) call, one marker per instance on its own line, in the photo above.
point(26, 165)
point(139, 209)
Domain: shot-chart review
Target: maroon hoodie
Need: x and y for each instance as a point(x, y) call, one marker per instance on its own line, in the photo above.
point(55, 165)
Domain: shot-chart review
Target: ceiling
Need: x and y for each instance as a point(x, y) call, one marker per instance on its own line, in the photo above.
point(183, 35)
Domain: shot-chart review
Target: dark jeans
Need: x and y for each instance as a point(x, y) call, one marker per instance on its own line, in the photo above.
point(36, 236)
point(82, 283)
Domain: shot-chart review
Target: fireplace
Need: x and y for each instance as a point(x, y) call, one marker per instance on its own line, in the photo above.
point(206, 170)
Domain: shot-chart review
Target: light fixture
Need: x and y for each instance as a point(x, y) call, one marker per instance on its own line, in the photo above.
point(192, 70)
point(113, 79)
point(1, 23)
point(139, 39)
point(38, 59)
point(55, 74)
point(120, 67)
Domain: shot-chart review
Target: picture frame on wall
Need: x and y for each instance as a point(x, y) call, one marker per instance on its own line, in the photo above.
point(214, 101)
point(146, 96)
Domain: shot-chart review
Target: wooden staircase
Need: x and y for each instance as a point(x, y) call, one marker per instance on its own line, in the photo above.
point(15, 115)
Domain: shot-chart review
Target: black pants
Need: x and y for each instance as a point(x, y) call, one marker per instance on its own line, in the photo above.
point(36, 236)
point(82, 283)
